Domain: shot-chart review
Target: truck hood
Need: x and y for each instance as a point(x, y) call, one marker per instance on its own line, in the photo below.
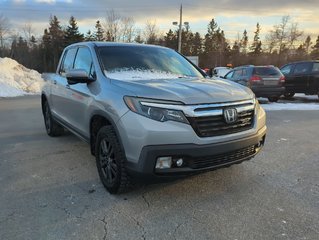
point(187, 90)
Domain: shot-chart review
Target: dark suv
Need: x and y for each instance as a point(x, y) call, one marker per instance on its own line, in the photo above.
point(301, 77)
point(264, 81)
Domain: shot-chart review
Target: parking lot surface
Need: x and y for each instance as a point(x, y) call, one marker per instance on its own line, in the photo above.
point(50, 188)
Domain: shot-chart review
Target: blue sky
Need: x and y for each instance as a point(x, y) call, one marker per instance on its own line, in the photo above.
point(233, 16)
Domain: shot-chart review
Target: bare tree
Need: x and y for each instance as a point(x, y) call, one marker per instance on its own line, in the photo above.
point(28, 32)
point(127, 29)
point(294, 35)
point(112, 26)
point(151, 32)
point(283, 36)
point(4, 29)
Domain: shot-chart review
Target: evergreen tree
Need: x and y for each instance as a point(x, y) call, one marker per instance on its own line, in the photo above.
point(72, 34)
point(170, 40)
point(244, 42)
point(255, 48)
point(46, 50)
point(307, 44)
point(99, 32)
point(315, 49)
point(138, 39)
point(301, 51)
point(57, 43)
point(197, 45)
point(209, 42)
point(89, 36)
point(187, 42)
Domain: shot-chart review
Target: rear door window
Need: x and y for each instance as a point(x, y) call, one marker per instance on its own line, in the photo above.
point(302, 68)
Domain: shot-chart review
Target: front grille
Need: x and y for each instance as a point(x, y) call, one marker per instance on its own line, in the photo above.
point(220, 159)
point(216, 125)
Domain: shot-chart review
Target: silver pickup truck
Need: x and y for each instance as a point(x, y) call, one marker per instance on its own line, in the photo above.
point(148, 112)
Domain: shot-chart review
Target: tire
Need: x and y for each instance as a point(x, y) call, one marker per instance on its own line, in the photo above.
point(110, 161)
point(289, 94)
point(273, 99)
point(53, 128)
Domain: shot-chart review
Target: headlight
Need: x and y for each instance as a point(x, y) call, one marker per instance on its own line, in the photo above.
point(145, 107)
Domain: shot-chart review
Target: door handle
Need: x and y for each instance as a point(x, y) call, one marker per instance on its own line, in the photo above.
point(54, 81)
point(67, 86)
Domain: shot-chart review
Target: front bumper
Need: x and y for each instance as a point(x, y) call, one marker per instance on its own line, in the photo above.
point(197, 157)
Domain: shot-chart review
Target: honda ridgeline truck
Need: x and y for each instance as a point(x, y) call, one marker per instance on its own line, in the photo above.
point(147, 111)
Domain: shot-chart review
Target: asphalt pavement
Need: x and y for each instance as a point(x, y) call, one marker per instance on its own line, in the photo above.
point(49, 188)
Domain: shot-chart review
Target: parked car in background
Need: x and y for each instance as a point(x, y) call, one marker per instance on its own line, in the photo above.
point(221, 71)
point(264, 81)
point(301, 77)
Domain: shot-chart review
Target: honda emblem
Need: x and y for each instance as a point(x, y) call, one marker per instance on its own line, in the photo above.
point(230, 115)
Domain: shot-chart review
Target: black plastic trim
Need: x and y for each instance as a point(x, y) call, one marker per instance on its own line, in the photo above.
point(145, 168)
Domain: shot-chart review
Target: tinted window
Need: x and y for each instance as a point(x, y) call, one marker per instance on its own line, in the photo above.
point(302, 68)
point(229, 75)
point(315, 67)
point(286, 69)
point(266, 71)
point(145, 58)
point(245, 72)
point(68, 61)
point(84, 61)
point(238, 73)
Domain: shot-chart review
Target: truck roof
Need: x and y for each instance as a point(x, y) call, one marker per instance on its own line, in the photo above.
point(108, 44)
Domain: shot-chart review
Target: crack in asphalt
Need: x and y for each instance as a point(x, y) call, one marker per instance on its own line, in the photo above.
point(140, 226)
point(105, 227)
point(67, 212)
point(145, 200)
point(177, 227)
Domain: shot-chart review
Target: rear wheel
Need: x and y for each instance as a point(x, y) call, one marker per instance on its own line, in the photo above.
point(110, 161)
point(289, 94)
point(273, 99)
point(52, 127)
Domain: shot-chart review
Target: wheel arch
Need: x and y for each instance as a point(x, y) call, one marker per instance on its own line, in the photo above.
point(98, 120)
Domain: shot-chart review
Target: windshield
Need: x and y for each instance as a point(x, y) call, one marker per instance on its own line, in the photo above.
point(145, 62)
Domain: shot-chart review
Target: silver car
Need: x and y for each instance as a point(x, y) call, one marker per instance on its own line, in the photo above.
point(147, 112)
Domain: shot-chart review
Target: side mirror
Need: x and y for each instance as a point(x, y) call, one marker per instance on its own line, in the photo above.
point(78, 76)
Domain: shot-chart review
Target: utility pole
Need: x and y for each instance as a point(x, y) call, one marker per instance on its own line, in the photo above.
point(180, 30)
point(180, 25)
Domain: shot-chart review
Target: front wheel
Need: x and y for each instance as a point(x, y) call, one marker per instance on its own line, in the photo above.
point(110, 161)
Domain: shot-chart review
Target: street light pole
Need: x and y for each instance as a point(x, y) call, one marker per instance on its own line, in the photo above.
point(180, 30)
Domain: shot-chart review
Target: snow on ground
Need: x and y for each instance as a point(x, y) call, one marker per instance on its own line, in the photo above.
point(135, 74)
point(290, 106)
point(300, 102)
point(17, 80)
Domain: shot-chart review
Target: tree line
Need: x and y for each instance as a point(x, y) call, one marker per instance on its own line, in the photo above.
point(285, 42)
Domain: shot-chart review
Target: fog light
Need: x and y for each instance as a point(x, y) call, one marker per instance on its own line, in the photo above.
point(179, 162)
point(163, 162)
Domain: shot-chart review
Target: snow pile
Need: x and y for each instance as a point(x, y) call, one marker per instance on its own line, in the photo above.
point(17, 80)
point(128, 74)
